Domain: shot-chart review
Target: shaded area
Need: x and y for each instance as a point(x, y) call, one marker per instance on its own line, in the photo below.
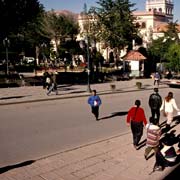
point(164, 129)
point(123, 113)
point(10, 167)
point(12, 97)
point(141, 144)
point(78, 92)
point(174, 174)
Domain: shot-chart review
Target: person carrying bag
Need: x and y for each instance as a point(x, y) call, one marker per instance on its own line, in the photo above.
point(135, 119)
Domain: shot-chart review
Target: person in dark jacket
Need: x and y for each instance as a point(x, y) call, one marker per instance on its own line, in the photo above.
point(166, 155)
point(155, 102)
point(136, 118)
point(94, 101)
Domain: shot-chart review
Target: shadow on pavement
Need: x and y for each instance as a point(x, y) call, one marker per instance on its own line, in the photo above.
point(7, 168)
point(174, 174)
point(12, 97)
point(114, 114)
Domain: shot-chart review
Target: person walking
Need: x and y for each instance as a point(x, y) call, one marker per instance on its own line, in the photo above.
point(44, 79)
point(135, 119)
point(156, 78)
point(153, 137)
point(166, 155)
point(52, 84)
point(155, 102)
point(94, 101)
point(168, 106)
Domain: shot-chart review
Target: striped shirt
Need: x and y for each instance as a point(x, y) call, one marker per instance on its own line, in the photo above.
point(153, 135)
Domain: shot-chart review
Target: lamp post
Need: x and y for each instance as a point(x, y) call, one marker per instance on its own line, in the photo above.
point(82, 44)
point(6, 43)
point(43, 46)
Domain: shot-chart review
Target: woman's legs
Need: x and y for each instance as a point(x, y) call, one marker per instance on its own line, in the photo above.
point(169, 118)
point(137, 131)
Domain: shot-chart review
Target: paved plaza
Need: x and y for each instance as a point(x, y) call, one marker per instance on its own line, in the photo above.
point(108, 159)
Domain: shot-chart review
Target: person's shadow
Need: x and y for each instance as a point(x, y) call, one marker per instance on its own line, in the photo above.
point(165, 129)
point(114, 114)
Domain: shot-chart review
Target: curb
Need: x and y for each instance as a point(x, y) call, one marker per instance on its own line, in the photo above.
point(85, 145)
point(76, 96)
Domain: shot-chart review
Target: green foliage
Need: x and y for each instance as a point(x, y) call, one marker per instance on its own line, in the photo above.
point(17, 14)
point(23, 24)
point(114, 22)
point(61, 28)
point(173, 57)
point(167, 48)
point(172, 32)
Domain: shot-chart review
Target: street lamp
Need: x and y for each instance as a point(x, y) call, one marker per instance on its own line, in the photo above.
point(43, 46)
point(6, 43)
point(82, 44)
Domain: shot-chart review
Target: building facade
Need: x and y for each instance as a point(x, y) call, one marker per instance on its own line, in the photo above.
point(157, 14)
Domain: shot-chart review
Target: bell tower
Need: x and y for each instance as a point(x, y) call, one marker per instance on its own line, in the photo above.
point(161, 7)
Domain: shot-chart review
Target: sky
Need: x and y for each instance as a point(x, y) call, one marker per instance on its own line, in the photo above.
point(77, 5)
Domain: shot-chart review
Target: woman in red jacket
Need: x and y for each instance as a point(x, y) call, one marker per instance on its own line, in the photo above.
point(136, 118)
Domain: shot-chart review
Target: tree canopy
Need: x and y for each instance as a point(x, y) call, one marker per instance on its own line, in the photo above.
point(114, 22)
point(17, 14)
point(166, 49)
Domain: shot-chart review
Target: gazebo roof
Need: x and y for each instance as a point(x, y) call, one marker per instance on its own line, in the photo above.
point(134, 56)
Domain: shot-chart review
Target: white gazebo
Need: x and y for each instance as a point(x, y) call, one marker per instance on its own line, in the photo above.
point(136, 62)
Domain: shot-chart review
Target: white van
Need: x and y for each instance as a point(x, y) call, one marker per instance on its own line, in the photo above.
point(29, 59)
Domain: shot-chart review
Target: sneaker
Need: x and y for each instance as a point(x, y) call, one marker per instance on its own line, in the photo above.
point(158, 168)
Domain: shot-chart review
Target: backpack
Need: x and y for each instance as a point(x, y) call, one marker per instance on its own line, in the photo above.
point(155, 101)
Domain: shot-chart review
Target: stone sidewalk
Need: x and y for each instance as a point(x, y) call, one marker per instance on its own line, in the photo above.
point(109, 159)
point(37, 93)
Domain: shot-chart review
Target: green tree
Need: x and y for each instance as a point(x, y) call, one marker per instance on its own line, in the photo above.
point(61, 27)
point(165, 49)
point(172, 31)
point(16, 14)
point(173, 57)
point(23, 24)
point(114, 22)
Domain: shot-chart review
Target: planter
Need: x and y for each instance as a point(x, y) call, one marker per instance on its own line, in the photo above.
point(139, 85)
point(113, 87)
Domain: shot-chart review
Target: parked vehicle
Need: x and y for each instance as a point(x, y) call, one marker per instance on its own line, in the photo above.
point(29, 59)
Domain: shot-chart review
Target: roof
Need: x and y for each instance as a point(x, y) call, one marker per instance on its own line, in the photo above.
point(163, 27)
point(134, 56)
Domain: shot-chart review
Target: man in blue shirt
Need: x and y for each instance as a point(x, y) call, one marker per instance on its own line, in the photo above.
point(94, 101)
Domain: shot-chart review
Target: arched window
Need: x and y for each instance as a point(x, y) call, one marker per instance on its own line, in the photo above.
point(160, 9)
point(143, 25)
point(137, 25)
point(155, 10)
point(150, 10)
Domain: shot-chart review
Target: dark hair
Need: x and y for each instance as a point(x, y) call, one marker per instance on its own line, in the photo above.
point(156, 90)
point(168, 139)
point(94, 91)
point(137, 103)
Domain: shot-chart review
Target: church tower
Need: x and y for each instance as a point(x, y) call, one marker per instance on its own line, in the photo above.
point(161, 7)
